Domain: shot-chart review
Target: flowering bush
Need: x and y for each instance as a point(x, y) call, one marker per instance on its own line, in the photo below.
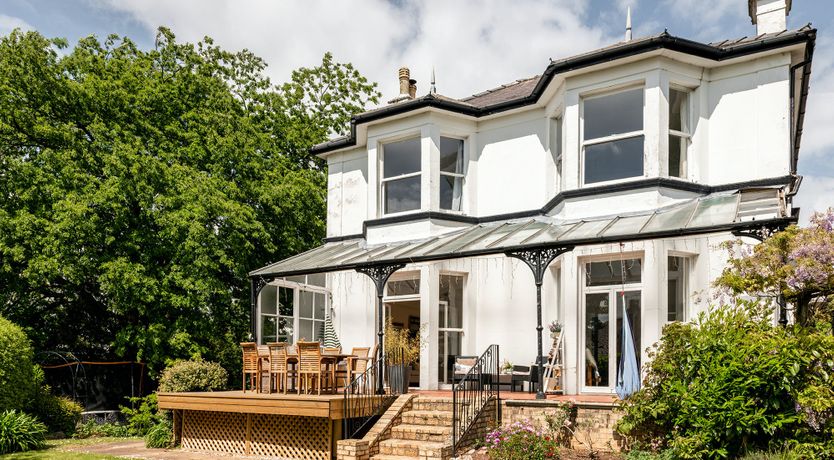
point(555, 326)
point(521, 441)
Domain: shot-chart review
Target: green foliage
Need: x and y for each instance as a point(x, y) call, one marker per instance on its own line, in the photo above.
point(20, 432)
point(161, 436)
point(94, 429)
point(644, 455)
point(193, 376)
point(400, 339)
point(732, 383)
point(521, 441)
point(143, 415)
point(58, 413)
point(20, 378)
point(140, 187)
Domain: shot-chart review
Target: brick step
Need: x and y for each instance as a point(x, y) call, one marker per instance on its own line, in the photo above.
point(431, 433)
point(393, 457)
point(430, 403)
point(412, 448)
point(427, 417)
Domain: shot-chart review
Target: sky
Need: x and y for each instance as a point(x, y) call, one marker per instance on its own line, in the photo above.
point(473, 45)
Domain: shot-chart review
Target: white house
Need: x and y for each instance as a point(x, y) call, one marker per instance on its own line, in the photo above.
point(616, 173)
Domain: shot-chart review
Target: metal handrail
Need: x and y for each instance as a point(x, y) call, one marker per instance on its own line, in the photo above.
point(363, 404)
point(474, 391)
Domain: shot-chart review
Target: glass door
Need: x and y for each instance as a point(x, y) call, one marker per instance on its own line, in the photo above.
point(449, 327)
point(605, 293)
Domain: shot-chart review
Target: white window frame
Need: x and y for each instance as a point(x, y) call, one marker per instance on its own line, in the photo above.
point(614, 137)
point(687, 123)
point(557, 141)
point(383, 179)
point(687, 271)
point(296, 309)
point(611, 290)
point(462, 175)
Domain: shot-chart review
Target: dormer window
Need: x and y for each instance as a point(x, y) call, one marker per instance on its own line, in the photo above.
point(451, 173)
point(401, 176)
point(612, 147)
point(678, 132)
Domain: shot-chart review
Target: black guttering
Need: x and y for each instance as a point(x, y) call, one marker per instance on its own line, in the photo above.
point(662, 41)
point(658, 182)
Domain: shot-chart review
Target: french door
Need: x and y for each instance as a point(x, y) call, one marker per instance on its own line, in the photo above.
point(602, 321)
point(450, 336)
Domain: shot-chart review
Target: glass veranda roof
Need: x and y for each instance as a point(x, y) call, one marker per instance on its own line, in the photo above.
point(711, 213)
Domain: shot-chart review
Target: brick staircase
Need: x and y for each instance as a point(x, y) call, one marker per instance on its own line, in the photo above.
point(424, 432)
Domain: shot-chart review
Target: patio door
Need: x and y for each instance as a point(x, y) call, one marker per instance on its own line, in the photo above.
point(449, 327)
point(604, 296)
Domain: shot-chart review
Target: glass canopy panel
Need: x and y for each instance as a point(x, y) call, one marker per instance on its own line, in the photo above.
point(552, 234)
point(520, 237)
point(627, 226)
point(714, 211)
point(459, 242)
point(589, 229)
point(670, 218)
point(495, 237)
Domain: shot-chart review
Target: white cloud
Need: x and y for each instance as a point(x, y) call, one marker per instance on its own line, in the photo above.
point(817, 134)
point(712, 19)
point(10, 23)
point(474, 45)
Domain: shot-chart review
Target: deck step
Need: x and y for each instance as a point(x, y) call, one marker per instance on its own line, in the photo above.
point(410, 447)
point(427, 417)
point(432, 433)
point(432, 403)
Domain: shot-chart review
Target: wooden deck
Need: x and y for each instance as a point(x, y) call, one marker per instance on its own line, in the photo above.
point(327, 406)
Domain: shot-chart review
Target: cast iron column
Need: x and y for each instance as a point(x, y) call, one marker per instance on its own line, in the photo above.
point(380, 274)
point(538, 260)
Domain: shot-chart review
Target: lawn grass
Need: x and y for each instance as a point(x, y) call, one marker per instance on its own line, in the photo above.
point(55, 449)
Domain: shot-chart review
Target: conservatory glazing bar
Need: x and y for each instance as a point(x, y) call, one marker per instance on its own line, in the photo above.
point(711, 213)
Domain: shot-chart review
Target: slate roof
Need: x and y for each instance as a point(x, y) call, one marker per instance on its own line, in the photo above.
point(526, 91)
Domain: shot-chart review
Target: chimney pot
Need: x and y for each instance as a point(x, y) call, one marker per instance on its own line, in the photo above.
point(770, 16)
point(412, 88)
point(405, 79)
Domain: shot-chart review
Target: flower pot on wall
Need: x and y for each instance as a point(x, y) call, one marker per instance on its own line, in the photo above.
point(399, 377)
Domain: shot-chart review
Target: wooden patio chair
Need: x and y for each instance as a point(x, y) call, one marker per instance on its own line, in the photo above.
point(251, 366)
point(354, 365)
point(278, 366)
point(309, 366)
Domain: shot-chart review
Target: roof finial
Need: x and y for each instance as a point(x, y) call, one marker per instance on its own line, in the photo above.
point(628, 25)
point(433, 89)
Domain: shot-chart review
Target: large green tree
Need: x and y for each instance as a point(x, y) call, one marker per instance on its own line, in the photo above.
point(138, 188)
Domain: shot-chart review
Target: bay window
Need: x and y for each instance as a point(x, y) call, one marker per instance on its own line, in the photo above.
point(401, 170)
point(292, 309)
point(613, 136)
point(678, 132)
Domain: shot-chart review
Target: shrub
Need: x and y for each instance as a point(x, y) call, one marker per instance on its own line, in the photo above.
point(732, 383)
point(20, 379)
point(521, 441)
point(193, 376)
point(20, 432)
point(94, 429)
point(58, 413)
point(143, 415)
point(161, 436)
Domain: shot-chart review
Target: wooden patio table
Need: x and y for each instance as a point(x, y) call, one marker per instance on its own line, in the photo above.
point(332, 360)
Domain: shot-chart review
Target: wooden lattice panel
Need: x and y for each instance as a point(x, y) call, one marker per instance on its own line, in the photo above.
point(287, 436)
point(214, 431)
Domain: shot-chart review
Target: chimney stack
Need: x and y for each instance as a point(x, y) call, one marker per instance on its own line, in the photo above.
point(770, 16)
point(408, 86)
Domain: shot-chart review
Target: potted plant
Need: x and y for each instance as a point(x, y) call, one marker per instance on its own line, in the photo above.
point(555, 329)
point(402, 350)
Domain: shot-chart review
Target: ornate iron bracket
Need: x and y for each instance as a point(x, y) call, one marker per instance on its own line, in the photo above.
point(380, 274)
point(539, 259)
point(759, 233)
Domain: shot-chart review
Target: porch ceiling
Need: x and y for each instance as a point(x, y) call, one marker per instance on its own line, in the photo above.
point(726, 211)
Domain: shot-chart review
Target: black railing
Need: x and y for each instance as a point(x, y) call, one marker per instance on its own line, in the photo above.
point(363, 403)
point(473, 392)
